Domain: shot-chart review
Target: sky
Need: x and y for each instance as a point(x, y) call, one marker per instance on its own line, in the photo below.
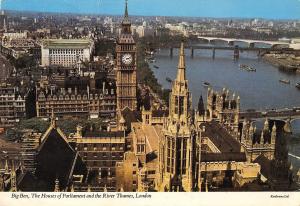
point(270, 9)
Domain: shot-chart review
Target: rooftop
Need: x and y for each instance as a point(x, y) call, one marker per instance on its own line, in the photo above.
point(220, 157)
point(103, 134)
point(220, 137)
point(150, 133)
point(67, 43)
point(265, 164)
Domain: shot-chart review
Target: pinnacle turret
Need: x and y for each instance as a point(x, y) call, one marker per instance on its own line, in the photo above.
point(6, 165)
point(273, 134)
point(56, 187)
point(266, 125)
point(201, 108)
point(13, 180)
point(53, 119)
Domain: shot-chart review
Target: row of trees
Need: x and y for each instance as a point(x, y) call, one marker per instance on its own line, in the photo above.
point(22, 62)
point(102, 47)
point(144, 73)
point(67, 125)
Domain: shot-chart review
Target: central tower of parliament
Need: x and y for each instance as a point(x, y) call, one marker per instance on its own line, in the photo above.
point(177, 147)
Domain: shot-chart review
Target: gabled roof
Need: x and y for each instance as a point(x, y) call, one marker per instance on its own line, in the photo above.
point(51, 131)
point(56, 159)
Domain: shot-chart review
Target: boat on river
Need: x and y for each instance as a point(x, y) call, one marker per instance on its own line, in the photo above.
point(247, 68)
point(285, 81)
point(298, 85)
point(206, 84)
point(168, 79)
point(243, 66)
point(156, 67)
point(151, 60)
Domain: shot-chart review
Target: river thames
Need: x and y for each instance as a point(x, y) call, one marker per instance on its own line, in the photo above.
point(258, 90)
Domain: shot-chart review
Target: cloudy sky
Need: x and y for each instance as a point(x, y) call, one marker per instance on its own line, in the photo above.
point(274, 9)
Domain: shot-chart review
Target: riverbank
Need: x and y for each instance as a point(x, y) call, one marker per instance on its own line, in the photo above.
point(288, 63)
point(146, 76)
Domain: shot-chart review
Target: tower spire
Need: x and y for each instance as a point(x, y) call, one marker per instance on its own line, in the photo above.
point(126, 9)
point(126, 20)
point(181, 65)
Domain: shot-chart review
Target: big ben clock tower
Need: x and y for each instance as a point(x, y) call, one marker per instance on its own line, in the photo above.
point(126, 67)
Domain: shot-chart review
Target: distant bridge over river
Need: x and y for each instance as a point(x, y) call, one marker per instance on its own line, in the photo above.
point(236, 49)
point(279, 114)
point(230, 44)
point(251, 42)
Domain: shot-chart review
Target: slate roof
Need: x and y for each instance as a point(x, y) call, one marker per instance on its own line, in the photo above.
point(67, 43)
point(265, 164)
point(55, 159)
point(103, 134)
point(217, 157)
point(160, 113)
point(220, 137)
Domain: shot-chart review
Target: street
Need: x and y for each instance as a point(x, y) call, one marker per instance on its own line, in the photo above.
point(5, 68)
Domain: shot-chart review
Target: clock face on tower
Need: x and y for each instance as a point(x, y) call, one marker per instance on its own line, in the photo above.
point(127, 59)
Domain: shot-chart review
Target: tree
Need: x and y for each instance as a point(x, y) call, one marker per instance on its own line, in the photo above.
point(24, 61)
point(102, 47)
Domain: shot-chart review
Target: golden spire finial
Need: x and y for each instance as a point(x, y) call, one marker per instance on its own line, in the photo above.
point(206, 186)
point(181, 64)
point(121, 189)
point(72, 188)
point(13, 165)
point(274, 127)
point(53, 119)
point(13, 187)
point(105, 189)
point(56, 187)
point(266, 124)
point(89, 188)
point(6, 165)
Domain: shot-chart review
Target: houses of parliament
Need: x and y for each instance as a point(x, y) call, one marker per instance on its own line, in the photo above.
point(176, 150)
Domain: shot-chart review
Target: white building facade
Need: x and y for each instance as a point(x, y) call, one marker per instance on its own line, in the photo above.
point(66, 52)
